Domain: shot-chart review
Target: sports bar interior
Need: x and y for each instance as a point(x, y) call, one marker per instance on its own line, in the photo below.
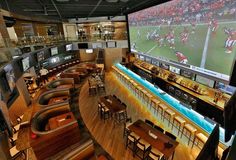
point(117, 80)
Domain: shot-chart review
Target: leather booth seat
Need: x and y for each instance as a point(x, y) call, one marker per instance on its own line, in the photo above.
point(44, 99)
point(77, 73)
point(40, 119)
point(58, 82)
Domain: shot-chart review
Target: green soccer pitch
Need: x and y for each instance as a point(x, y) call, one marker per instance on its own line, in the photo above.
point(216, 58)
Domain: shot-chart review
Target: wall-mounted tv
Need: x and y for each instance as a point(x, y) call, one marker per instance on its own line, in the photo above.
point(83, 45)
point(164, 66)
point(10, 76)
point(225, 88)
point(69, 47)
point(89, 51)
point(40, 56)
point(206, 81)
point(147, 59)
point(178, 32)
point(25, 63)
point(68, 57)
point(55, 60)
point(54, 51)
point(111, 44)
point(187, 74)
point(174, 70)
point(97, 45)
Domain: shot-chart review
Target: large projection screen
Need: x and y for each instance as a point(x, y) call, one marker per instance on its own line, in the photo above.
point(201, 33)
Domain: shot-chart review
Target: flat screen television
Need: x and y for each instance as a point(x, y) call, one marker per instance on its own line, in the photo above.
point(174, 70)
point(69, 47)
point(83, 45)
point(96, 45)
point(155, 62)
point(210, 148)
point(40, 56)
point(187, 74)
point(111, 44)
point(164, 66)
point(206, 81)
point(182, 33)
point(147, 59)
point(55, 60)
point(10, 76)
point(89, 51)
point(25, 63)
point(225, 88)
point(68, 57)
point(54, 51)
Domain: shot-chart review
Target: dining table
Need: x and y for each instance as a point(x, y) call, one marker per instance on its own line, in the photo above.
point(155, 138)
point(113, 104)
point(57, 99)
point(61, 120)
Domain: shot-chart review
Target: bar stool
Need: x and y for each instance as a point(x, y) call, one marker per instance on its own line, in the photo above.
point(168, 114)
point(154, 104)
point(136, 91)
point(178, 122)
point(148, 98)
point(161, 108)
point(199, 137)
point(189, 130)
point(140, 92)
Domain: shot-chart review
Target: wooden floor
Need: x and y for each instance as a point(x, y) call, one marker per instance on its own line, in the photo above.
point(110, 135)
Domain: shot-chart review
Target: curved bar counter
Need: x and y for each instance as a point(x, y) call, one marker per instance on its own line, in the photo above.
point(188, 113)
point(54, 97)
point(61, 83)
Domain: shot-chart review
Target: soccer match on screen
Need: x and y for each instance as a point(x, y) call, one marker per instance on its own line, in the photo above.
point(196, 32)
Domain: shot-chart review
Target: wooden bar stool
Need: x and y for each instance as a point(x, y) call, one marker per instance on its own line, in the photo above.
point(136, 91)
point(148, 98)
point(154, 104)
point(199, 137)
point(178, 122)
point(139, 91)
point(161, 108)
point(190, 130)
point(142, 95)
point(168, 114)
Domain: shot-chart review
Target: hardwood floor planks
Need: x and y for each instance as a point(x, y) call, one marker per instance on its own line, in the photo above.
point(110, 135)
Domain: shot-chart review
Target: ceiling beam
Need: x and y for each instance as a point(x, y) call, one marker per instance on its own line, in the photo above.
point(56, 9)
point(94, 8)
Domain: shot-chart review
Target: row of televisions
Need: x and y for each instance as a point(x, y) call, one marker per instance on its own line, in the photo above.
point(200, 79)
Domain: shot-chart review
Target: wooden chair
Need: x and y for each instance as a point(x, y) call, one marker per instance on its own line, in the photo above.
point(126, 131)
point(13, 138)
point(15, 153)
point(159, 128)
point(154, 154)
point(131, 141)
point(100, 110)
point(170, 135)
point(142, 149)
point(105, 114)
point(149, 122)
